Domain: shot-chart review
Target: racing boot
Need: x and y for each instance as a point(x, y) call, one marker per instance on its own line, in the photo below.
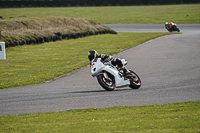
point(127, 74)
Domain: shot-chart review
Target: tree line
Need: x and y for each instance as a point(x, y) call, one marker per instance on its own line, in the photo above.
point(67, 3)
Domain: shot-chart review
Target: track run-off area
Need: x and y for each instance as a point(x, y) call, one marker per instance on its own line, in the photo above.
point(168, 66)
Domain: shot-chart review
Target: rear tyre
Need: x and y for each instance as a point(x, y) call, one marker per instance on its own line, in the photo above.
point(105, 83)
point(135, 83)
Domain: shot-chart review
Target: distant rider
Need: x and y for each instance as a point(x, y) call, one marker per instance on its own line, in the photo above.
point(119, 63)
point(168, 25)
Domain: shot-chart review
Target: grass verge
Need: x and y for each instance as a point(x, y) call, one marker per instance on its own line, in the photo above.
point(33, 64)
point(178, 117)
point(183, 13)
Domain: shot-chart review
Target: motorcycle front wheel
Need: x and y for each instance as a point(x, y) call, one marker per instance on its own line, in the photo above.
point(135, 83)
point(107, 84)
point(177, 29)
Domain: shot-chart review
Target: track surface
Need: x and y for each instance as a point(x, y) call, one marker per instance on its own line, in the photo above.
point(169, 68)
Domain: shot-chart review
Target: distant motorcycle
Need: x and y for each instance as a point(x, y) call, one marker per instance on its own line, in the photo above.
point(171, 27)
point(109, 77)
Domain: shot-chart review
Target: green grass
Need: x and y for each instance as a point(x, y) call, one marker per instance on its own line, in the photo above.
point(176, 118)
point(184, 13)
point(33, 64)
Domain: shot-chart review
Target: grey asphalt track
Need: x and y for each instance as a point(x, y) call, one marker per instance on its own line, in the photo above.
point(168, 66)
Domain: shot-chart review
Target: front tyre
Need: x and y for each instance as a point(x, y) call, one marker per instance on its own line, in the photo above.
point(107, 84)
point(135, 83)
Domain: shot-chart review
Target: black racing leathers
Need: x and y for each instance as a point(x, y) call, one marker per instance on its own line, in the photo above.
point(115, 61)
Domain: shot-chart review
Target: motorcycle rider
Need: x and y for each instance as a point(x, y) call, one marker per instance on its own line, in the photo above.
point(168, 25)
point(119, 63)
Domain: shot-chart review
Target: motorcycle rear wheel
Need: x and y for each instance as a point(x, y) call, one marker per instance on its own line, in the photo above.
point(134, 83)
point(106, 84)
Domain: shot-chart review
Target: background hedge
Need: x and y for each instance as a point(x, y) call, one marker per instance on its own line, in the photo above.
point(64, 3)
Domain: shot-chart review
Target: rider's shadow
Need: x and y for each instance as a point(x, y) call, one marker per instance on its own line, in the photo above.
point(102, 91)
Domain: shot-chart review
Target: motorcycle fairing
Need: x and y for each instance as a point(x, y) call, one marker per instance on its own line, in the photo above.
point(119, 81)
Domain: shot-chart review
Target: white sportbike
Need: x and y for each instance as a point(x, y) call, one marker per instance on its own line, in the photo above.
point(109, 77)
